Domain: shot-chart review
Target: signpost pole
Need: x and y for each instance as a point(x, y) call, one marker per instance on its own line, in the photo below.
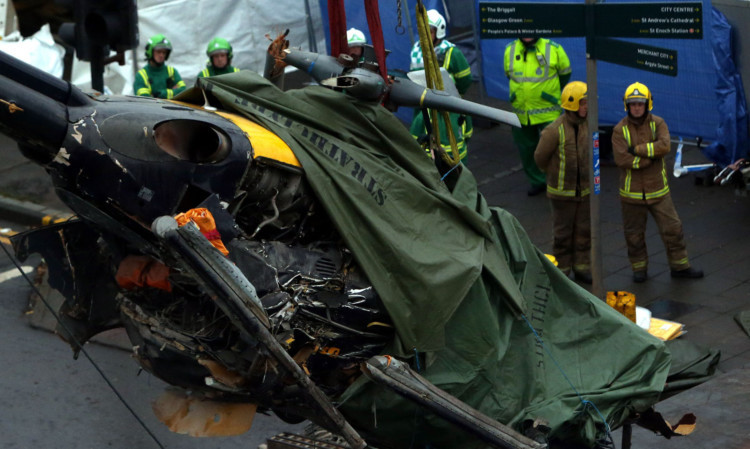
point(597, 289)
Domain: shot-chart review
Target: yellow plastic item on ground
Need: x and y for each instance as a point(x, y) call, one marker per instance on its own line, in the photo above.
point(665, 329)
point(623, 302)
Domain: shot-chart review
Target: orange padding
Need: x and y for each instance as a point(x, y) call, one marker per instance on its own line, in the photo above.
point(142, 271)
point(206, 223)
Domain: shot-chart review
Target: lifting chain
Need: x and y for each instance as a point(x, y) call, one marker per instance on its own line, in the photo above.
point(399, 26)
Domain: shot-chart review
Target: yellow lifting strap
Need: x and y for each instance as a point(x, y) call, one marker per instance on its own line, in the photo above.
point(434, 81)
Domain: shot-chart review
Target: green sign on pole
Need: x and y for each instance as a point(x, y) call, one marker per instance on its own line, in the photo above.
point(639, 56)
point(667, 20)
point(513, 20)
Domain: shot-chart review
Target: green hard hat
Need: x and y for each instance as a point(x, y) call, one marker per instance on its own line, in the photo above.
point(219, 44)
point(156, 42)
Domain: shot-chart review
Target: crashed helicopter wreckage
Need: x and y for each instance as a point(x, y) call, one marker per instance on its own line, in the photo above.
point(346, 255)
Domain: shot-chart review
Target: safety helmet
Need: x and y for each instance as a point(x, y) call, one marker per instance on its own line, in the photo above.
point(638, 93)
point(355, 38)
point(157, 42)
point(572, 94)
point(218, 45)
point(438, 21)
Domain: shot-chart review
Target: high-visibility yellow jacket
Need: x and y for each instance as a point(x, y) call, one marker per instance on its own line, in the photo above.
point(643, 175)
point(534, 75)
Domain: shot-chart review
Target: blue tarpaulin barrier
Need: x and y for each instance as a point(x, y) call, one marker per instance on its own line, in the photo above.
point(732, 132)
point(704, 100)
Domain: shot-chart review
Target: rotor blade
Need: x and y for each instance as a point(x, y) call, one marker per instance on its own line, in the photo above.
point(405, 92)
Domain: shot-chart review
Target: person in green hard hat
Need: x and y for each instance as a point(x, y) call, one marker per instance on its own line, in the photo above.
point(158, 79)
point(219, 52)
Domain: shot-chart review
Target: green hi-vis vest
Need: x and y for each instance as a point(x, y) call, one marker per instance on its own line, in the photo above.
point(626, 190)
point(418, 129)
point(560, 188)
point(165, 80)
point(211, 71)
point(534, 79)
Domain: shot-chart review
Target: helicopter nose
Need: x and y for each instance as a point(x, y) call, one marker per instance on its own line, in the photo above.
point(35, 107)
point(38, 123)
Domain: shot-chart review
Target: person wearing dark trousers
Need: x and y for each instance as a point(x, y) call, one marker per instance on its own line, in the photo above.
point(640, 141)
point(563, 154)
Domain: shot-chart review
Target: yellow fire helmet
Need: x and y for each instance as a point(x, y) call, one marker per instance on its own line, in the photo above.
point(638, 93)
point(572, 94)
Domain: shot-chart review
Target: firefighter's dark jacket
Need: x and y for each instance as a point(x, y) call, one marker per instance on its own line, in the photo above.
point(562, 153)
point(643, 175)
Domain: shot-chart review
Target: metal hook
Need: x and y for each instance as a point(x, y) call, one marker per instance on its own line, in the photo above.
point(206, 106)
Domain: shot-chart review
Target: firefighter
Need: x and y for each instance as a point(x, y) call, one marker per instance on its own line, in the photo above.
point(356, 40)
point(537, 69)
point(158, 79)
point(219, 52)
point(454, 62)
point(639, 142)
point(563, 154)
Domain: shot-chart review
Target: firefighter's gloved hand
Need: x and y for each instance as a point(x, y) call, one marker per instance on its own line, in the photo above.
point(631, 150)
point(156, 93)
point(423, 139)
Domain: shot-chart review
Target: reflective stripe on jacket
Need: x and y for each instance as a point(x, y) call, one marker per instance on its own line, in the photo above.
point(563, 155)
point(145, 90)
point(212, 71)
point(164, 80)
point(453, 60)
point(643, 175)
point(418, 130)
point(534, 79)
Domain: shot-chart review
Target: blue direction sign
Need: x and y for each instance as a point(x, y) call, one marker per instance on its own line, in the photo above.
point(639, 56)
point(668, 20)
point(512, 20)
point(675, 20)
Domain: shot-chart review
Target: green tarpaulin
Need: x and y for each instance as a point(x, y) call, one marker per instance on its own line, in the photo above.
point(462, 282)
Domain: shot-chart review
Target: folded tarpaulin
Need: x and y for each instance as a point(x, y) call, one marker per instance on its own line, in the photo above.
point(461, 281)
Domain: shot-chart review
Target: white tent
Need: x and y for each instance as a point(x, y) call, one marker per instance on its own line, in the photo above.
point(190, 25)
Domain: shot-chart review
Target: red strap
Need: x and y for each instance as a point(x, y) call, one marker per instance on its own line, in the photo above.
point(376, 33)
point(337, 24)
